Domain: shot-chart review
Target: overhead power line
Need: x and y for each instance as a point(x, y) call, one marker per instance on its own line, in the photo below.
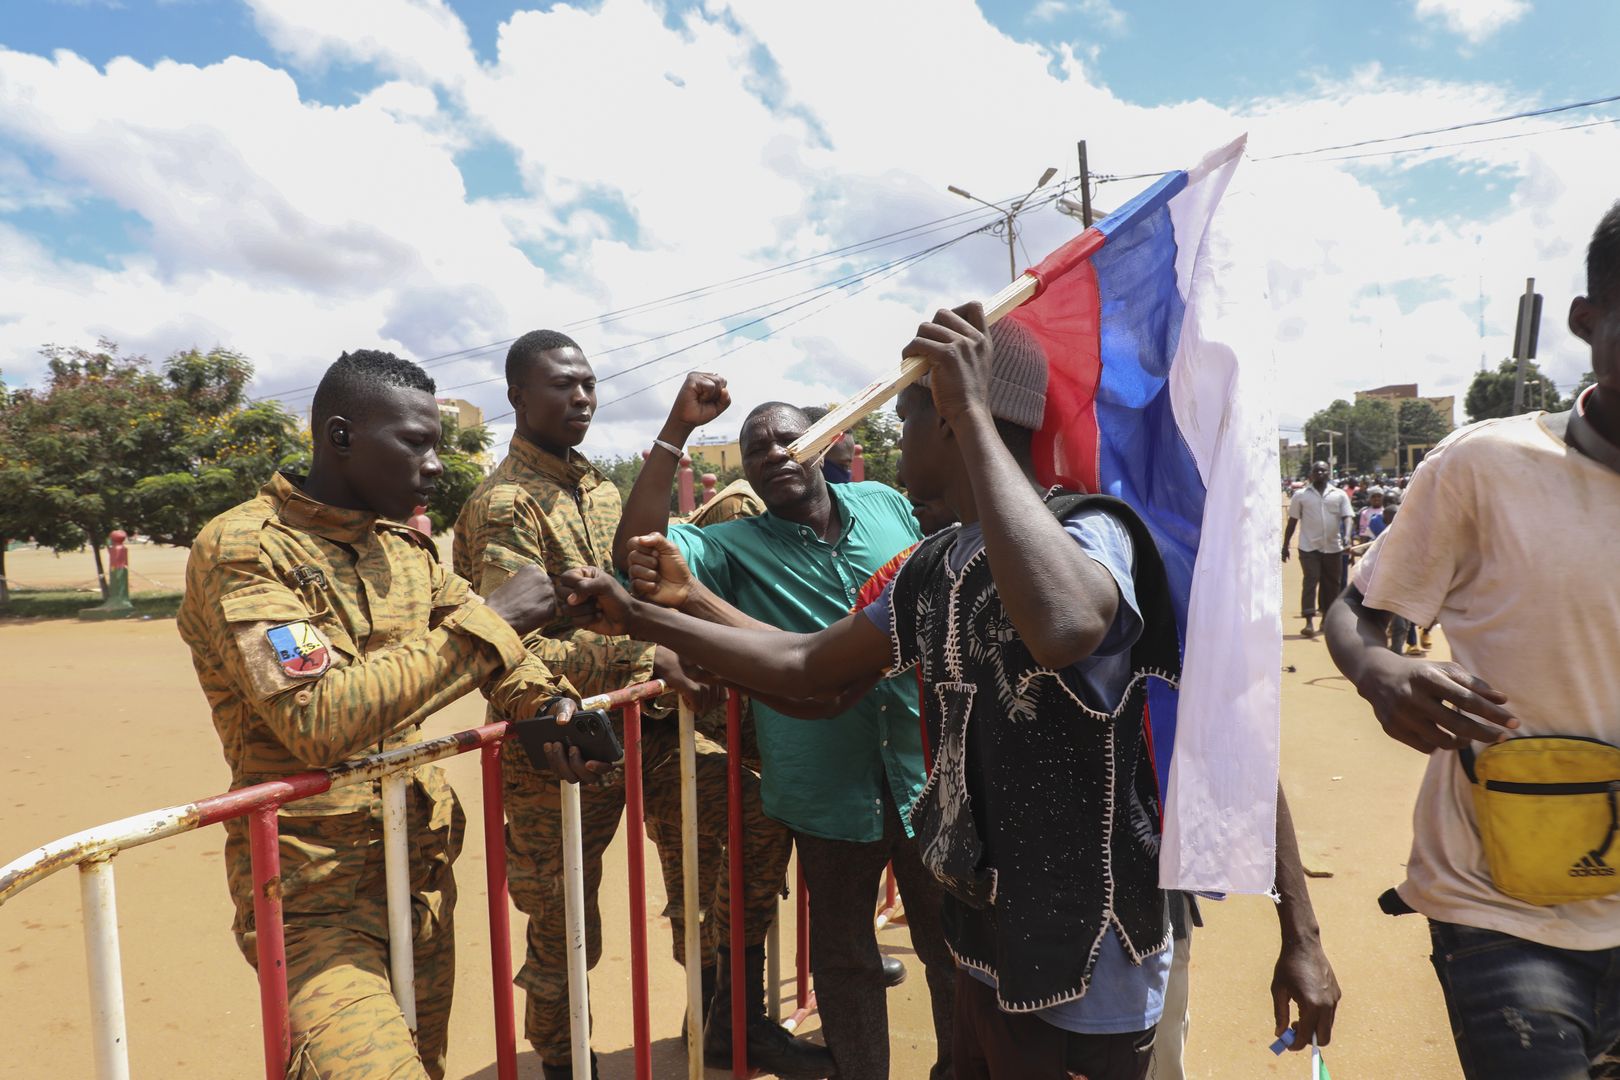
point(1112, 178)
point(897, 266)
point(699, 292)
point(1475, 142)
point(1525, 115)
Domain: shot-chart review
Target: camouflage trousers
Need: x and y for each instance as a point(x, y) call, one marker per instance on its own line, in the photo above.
point(535, 864)
point(344, 1020)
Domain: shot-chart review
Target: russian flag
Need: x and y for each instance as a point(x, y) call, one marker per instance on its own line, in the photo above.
point(1159, 394)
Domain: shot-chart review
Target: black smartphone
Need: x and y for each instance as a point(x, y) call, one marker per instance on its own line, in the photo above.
point(590, 730)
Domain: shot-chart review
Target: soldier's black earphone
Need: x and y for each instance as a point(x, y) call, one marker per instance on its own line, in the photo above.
point(340, 436)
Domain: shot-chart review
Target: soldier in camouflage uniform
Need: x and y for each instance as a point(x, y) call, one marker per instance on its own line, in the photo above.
point(322, 630)
point(546, 504)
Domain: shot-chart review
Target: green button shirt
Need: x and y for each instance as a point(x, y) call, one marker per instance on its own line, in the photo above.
point(821, 777)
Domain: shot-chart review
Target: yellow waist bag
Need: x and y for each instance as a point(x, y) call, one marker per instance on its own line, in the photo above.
point(1548, 815)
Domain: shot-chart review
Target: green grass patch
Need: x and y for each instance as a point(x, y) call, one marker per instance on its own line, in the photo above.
point(67, 603)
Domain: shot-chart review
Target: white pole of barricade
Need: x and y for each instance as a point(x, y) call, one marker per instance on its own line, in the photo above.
point(106, 968)
point(397, 873)
point(773, 968)
point(579, 999)
point(689, 895)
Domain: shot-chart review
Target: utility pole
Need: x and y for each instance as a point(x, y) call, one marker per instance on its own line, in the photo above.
point(1085, 187)
point(1524, 339)
point(1009, 217)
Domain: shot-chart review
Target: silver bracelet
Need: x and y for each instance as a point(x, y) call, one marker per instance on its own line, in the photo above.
point(677, 451)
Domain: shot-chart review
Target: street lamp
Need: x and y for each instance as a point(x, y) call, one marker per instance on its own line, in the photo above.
point(1333, 462)
point(1010, 212)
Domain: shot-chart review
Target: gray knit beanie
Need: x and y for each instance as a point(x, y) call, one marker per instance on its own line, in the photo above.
point(1017, 376)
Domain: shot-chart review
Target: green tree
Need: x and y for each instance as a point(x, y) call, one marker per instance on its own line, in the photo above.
point(1589, 379)
point(879, 438)
point(1418, 424)
point(1490, 395)
point(228, 447)
point(463, 452)
point(101, 423)
point(26, 511)
point(622, 471)
point(1366, 432)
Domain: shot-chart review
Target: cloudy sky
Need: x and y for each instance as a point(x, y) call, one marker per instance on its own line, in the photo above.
point(759, 187)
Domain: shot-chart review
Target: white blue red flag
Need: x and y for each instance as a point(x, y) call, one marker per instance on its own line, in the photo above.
point(1160, 395)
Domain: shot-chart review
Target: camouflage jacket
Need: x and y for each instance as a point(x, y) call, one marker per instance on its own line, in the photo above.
point(320, 634)
point(736, 500)
point(538, 508)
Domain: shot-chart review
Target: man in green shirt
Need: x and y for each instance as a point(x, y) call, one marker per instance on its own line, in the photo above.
point(839, 783)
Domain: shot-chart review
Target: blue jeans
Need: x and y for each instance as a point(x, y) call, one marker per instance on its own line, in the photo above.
point(1523, 1011)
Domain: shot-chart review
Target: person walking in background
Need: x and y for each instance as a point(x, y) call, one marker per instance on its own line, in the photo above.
point(1321, 513)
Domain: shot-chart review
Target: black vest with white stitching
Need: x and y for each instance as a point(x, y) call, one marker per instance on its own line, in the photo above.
point(1040, 816)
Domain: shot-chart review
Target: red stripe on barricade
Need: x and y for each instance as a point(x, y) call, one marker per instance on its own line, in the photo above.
point(500, 915)
point(739, 1022)
point(261, 803)
point(264, 845)
point(635, 809)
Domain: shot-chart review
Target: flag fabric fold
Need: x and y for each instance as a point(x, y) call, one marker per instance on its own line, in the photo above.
point(1159, 394)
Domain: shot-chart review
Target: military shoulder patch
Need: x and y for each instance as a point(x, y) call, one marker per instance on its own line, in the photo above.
point(299, 649)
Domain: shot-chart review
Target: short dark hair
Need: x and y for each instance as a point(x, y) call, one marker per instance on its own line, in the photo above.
point(814, 413)
point(774, 406)
point(531, 345)
point(1603, 259)
point(354, 378)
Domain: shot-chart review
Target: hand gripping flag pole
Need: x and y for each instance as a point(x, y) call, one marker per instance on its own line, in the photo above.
point(824, 432)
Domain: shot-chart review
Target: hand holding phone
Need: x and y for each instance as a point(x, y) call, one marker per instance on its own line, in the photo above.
point(590, 732)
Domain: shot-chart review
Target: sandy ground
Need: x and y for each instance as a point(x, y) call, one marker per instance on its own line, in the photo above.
point(105, 720)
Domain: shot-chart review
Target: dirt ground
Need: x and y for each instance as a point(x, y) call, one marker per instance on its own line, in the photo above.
point(105, 720)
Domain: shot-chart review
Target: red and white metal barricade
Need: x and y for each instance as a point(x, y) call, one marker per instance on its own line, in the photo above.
point(93, 850)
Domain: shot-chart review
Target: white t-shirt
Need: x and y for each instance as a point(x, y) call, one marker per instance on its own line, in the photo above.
point(1320, 515)
point(1502, 536)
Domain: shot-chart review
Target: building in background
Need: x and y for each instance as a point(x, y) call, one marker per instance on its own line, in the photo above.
point(1395, 393)
point(466, 415)
point(716, 452)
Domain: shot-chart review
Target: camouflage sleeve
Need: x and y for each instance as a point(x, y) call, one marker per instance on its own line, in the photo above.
point(509, 537)
point(319, 696)
point(595, 664)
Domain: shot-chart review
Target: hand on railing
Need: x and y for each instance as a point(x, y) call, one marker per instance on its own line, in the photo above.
point(585, 755)
point(700, 694)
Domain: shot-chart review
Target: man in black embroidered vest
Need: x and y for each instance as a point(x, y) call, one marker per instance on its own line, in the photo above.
point(1037, 623)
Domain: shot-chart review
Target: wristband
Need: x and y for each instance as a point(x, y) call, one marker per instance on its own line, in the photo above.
point(677, 451)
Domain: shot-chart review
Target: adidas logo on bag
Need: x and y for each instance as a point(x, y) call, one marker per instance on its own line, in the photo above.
point(1591, 866)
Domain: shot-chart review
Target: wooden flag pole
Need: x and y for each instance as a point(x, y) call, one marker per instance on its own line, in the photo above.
point(814, 442)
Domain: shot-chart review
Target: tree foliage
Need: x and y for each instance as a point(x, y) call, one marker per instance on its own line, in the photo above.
point(1490, 395)
point(1419, 424)
point(26, 510)
point(227, 449)
point(879, 438)
point(462, 451)
point(108, 443)
point(1368, 427)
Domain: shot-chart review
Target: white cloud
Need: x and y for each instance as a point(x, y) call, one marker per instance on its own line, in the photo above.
point(657, 157)
point(1473, 20)
point(1100, 13)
